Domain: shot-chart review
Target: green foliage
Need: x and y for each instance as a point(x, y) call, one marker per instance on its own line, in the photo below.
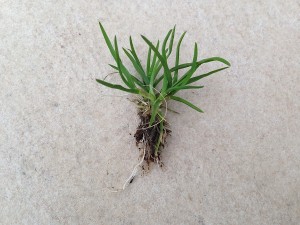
point(149, 82)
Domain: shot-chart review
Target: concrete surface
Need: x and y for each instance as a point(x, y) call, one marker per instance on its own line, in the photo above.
point(64, 138)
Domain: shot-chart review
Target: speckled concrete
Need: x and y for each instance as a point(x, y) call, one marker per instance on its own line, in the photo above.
point(64, 138)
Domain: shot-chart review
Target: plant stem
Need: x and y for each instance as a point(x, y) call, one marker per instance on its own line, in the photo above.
point(161, 129)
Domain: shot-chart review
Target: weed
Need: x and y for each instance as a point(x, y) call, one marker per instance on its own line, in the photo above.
point(156, 83)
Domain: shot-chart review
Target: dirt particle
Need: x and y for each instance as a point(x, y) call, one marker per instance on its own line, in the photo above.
point(131, 180)
point(190, 197)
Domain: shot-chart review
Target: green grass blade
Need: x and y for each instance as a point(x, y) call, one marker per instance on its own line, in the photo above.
point(167, 72)
point(163, 47)
point(153, 64)
point(136, 80)
point(194, 79)
point(157, 81)
point(139, 83)
point(199, 63)
point(171, 42)
point(186, 102)
point(177, 88)
point(117, 86)
point(148, 62)
point(127, 81)
point(195, 57)
point(137, 67)
point(177, 56)
point(135, 56)
point(156, 71)
point(108, 43)
point(185, 78)
point(122, 70)
point(126, 72)
point(114, 67)
point(213, 59)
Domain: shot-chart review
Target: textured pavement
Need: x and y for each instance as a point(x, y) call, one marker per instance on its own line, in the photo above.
point(64, 138)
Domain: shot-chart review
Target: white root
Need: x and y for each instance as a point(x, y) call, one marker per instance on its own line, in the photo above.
point(133, 173)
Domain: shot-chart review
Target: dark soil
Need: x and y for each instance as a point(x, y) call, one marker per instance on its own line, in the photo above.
point(148, 137)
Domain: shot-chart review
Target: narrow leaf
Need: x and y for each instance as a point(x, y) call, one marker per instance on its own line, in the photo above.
point(137, 81)
point(148, 62)
point(137, 67)
point(199, 63)
point(127, 81)
point(186, 102)
point(171, 42)
point(114, 67)
point(163, 47)
point(163, 62)
point(135, 55)
point(154, 59)
point(117, 86)
point(177, 88)
point(157, 81)
point(194, 79)
point(156, 71)
point(108, 43)
point(185, 78)
point(177, 56)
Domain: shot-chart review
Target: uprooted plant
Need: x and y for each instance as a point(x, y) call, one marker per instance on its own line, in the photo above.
point(154, 84)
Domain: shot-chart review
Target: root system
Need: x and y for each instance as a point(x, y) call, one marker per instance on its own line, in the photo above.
point(151, 138)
